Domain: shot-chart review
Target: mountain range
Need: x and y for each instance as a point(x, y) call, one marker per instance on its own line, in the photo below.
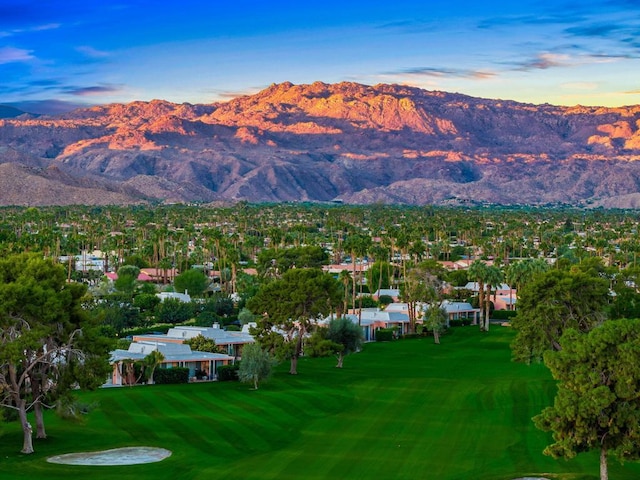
point(320, 142)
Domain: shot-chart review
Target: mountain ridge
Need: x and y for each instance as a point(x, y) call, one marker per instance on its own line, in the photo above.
point(323, 142)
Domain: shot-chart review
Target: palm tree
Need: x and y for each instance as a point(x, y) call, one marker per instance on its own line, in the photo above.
point(477, 271)
point(493, 278)
point(151, 362)
point(520, 273)
point(345, 278)
point(358, 245)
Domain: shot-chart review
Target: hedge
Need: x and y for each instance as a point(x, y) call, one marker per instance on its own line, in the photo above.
point(503, 314)
point(227, 373)
point(171, 375)
point(460, 322)
point(385, 334)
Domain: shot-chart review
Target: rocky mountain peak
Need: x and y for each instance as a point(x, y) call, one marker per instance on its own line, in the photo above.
point(358, 143)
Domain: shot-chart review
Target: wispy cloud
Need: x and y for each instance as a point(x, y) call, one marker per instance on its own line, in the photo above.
point(543, 61)
point(36, 28)
point(444, 72)
point(48, 26)
point(530, 20)
point(93, 90)
point(92, 52)
point(600, 30)
point(11, 54)
point(231, 94)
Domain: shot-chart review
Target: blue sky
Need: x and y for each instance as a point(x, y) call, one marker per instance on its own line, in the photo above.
point(58, 54)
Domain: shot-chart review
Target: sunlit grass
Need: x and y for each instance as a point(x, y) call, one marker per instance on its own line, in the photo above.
point(401, 410)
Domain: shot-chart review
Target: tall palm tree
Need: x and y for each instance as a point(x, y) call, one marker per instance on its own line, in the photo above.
point(493, 278)
point(477, 272)
point(345, 278)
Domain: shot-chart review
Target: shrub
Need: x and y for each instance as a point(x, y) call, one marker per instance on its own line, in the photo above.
point(171, 375)
point(367, 302)
point(503, 314)
point(384, 300)
point(385, 334)
point(407, 336)
point(460, 322)
point(157, 328)
point(227, 373)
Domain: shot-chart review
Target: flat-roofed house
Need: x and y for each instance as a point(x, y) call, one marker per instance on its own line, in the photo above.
point(175, 355)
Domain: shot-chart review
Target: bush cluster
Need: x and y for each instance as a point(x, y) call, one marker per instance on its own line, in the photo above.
point(460, 322)
point(503, 314)
point(171, 375)
point(228, 373)
point(385, 334)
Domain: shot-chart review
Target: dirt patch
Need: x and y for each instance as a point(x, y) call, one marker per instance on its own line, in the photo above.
point(116, 456)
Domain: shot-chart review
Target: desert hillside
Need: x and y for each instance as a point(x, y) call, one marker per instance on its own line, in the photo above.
point(322, 142)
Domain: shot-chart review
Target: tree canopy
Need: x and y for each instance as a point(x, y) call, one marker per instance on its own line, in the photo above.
point(551, 304)
point(48, 345)
point(290, 304)
point(200, 343)
point(193, 282)
point(347, 335)
point(597, 405)
point(256, 364)
point(274, 262)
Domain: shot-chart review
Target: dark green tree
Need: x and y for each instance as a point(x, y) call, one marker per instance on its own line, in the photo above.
point(200, 343)
point(291, 304)
point(378, 276)
point(127, 279)
point(48, 345)
point(174, 311)
point(597, 405)
point(193, 282)
point(311, 256)
point(551, 304)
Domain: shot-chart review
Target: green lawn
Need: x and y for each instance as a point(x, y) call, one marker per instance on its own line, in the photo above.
point(401, 410)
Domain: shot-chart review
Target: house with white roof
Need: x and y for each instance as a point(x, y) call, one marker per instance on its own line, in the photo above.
point(183, 297)
point(460, 311)
point(502, 296)
point(232, 342)
point(175, 355)
point(371, 319)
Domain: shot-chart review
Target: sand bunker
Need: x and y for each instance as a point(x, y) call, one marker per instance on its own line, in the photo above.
point(116, 456)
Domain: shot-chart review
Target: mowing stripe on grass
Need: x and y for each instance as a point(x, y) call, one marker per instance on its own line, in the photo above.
point(402, 410)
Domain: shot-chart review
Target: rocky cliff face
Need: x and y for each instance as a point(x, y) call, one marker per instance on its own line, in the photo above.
point(319, 142)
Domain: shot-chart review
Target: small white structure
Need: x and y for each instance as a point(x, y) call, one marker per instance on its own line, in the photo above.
point(183, 297)
point(231, 341)
point(86, 261)
point(370, 319)
point(460, 311)
point(175, 355)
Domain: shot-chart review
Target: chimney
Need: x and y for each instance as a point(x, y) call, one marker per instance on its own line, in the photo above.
point(216, 325)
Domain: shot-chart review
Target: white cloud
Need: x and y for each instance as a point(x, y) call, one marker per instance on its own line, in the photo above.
point(91, 52)
point(11, 54)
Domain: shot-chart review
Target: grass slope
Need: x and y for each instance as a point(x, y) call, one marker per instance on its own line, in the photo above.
point(400, 410)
